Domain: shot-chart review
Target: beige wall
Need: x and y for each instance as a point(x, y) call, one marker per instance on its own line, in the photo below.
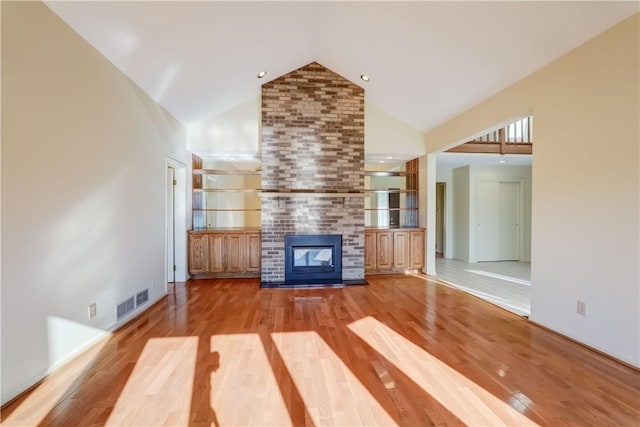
point(461, 198)
point(586, 193)
point(234, 134)
point(84, 156)
point(385, 134)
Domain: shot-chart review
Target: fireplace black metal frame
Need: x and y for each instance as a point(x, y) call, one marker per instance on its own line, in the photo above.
point(313, 274)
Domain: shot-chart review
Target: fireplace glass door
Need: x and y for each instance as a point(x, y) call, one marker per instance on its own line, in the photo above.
point(305, 257)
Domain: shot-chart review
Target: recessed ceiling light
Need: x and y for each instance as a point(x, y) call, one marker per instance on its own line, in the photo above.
point(380, 161)
point(389, 157)
point(502, 161)
point(261, 74)
point(364, 77)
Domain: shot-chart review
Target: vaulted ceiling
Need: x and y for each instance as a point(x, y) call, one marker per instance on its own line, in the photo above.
point(428, 61)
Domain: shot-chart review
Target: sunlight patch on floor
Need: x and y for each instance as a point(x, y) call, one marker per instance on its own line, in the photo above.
point(162, 378)
point(244, 390)
point(331, 392)
point(472, 404)
point(52, 390)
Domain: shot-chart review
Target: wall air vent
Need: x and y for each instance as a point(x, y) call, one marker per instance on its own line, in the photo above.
point(142, 297)
point(124, 308)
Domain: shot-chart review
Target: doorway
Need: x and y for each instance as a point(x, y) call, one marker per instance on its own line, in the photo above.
point(468, 178)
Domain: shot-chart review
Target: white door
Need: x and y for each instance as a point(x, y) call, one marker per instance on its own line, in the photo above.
point(497, 221)
point(487, 221)
point(171, 229)
point(509, 224)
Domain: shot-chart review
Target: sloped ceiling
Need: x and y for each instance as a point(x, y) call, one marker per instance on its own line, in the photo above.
point(428, 61)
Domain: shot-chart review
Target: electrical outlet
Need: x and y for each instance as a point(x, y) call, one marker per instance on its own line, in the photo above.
point(93, 310)
point(581, 308)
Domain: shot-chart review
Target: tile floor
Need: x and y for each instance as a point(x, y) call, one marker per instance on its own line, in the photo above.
point(505, 283)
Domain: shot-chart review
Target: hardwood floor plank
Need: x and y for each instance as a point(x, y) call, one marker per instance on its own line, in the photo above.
point(401, 351)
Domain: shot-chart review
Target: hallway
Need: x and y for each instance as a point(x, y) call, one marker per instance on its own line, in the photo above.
point(506, 284)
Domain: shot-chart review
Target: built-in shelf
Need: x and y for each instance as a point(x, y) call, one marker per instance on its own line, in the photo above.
point(393, 197)
point(224, 197)
point(388, 209)
point(229, 203)
point(228, 210)
point(388, 173)
point(226, 190)
point(391, 191)
point(225, 172)
point(311, 193)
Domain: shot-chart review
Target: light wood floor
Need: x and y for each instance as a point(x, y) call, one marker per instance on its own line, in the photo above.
point(401, 351)
point(505, 283)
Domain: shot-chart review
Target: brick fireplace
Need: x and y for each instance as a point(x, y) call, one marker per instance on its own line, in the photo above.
point(312, 166)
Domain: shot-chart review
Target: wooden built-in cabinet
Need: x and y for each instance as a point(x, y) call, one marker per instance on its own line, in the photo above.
point(198, 253)
point(370, 251)
point(215, 248)
point(384, 250)
point(237, 253)
point(393, 250)
point(224, 253)
point(254, 252)
point(401, 249)
point(416, 249)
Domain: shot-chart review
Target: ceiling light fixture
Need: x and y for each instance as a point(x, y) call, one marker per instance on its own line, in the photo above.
point(364, 77)
point(389, 157)
point(502, 161)
point(261, 74)
point(380, 161)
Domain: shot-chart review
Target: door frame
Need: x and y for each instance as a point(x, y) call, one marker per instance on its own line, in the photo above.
point(179, 221)
point(444, 212)
point(171, 224)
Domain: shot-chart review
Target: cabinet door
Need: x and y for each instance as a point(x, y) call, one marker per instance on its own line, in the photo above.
point(417, 249)
point(234, 253)
point(253, 252)
point(384, 243)
point(401, 249)
point(370, 249)
point(216, 251)
point(198, 253)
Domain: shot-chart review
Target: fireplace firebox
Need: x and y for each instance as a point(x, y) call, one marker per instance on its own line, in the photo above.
point(311, 259)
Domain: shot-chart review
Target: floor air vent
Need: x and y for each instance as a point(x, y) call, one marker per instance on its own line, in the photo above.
point(124, 308)
point(142, 297)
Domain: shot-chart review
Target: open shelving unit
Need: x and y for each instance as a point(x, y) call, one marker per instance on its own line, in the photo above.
point(230, 198)
point(397, 204)
point(224, 198)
